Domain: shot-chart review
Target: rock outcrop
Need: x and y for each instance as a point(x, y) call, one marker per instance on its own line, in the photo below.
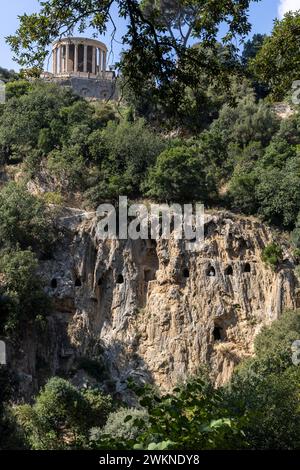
point(154, 311)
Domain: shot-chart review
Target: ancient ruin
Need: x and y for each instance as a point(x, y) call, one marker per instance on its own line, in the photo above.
point(82, 64)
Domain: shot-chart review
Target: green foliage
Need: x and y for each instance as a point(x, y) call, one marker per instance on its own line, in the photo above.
point(17, 88)
point(7, 75)
point(247, 122)
point(277, 62)
point(157, 53)
point(22, 290)
point(53, 198)
point(272, 255)
point(120, 426)
point(24, 118)
point(295, 235)
point(62, 416)
point(252, 47)
point(24, 220)
point(179, 175)
point(242, 188)
point(10, 435)
point(124, 152)
point(278, 193)
point(265, 180)
point(192, 417)
point(67, 167)
point(267, 388)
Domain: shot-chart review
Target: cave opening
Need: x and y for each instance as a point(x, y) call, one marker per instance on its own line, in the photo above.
point(229, 271)
point(247, 268)
point(78, 282)
point(54, 283)
point(218, 333)
point(186, 273)
point(211, 272)
point(120, 279)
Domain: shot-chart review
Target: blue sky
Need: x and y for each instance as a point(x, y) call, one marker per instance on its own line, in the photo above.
point(261, 16)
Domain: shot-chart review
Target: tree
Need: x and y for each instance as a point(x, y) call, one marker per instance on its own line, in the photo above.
point(62, 416)
point(180, 174)
point(192, 417)
point(124, 152)
point(24, 220)
point(242, 189)
point(153, 53)
point(266, 388)
point(67, 167)
point(25, 117)
point(119, 427)
point(7, 75)
point(277, 62)
point(10, 436)
point(252, 47)
point(278, 193)
point(17, 88)
point(22, 290)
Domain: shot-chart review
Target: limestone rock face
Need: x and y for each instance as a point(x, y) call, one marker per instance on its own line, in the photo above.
point(156, 311)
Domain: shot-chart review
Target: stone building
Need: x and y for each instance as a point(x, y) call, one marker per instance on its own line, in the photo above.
point(82, 65)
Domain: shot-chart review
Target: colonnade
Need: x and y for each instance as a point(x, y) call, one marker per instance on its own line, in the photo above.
point(79, 56)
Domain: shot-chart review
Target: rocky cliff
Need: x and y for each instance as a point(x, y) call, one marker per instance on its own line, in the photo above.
point(151, 310)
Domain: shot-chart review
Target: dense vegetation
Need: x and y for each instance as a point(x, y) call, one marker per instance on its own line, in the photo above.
point(90, 149)
point(197, 124)
point(257, 409)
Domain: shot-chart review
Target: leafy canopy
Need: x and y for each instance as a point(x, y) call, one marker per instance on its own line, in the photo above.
point(278, 61)
point(156, 40)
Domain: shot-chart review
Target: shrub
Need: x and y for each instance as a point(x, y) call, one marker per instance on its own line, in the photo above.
point(124, 152)
point(266, 388)
point(180, 174)
point(62, 415)
point(21, 289)
point(68, 168)
point(120, 427)
point(25, 221)
point(278, 193)
point(272, 254)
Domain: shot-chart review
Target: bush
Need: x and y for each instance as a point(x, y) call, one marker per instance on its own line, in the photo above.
point(22, 290)
point(68, 168)
point(278, 193)
point(124, 152)
point(272, 255)
point(23, 118)
point(62, 416)
point(120, 427)
point(242, 188)
point(25, 221)
point(180, 174)
point(266, 388)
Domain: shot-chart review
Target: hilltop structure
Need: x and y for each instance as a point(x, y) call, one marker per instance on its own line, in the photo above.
point(82, 65)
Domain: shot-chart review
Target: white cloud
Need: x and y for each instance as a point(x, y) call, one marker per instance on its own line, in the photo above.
point(288, 5)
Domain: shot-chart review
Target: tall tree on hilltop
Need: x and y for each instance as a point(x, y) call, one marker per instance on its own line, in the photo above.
point(156, 42)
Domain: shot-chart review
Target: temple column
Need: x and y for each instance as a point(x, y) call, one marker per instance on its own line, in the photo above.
point(100, 60)
point(67, 57)
point(104, 61)
point(54, 68)
point(61, 59)
point(76, 58)
point(85, 59)
point(94, 61)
